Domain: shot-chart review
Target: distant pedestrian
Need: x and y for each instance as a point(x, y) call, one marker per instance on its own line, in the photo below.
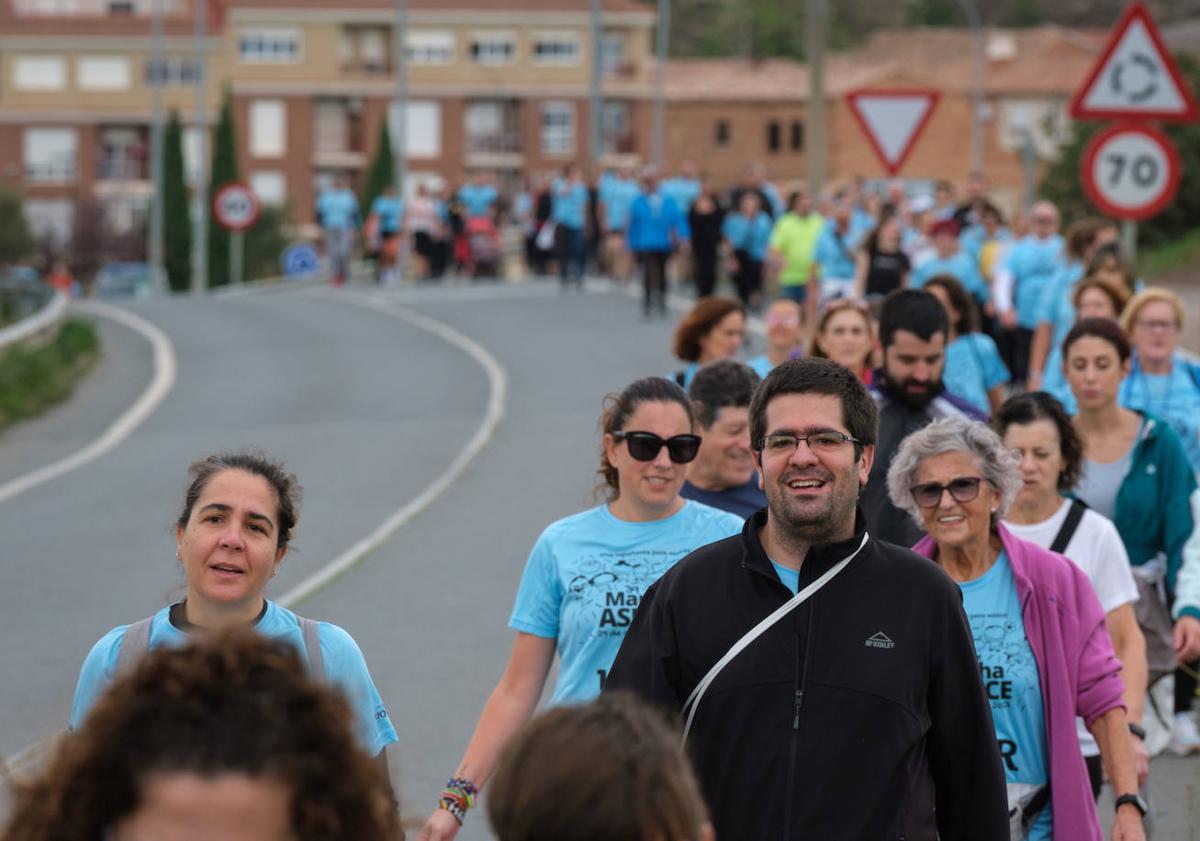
point(586, 574)
point(617, 195)
point(784, 340)
point(424, 225)
point(657, 229)
point(479, 196)
point(712, 329)
point(950, 259)
point(792, 253)
point(569, 212)
point(337, 214)
point(747, 233)
point(973, 369)
point(846, 335)
point(1029, 264)
point(881, 266)
point(704, 222)
point(836, 248)
point(387, 218)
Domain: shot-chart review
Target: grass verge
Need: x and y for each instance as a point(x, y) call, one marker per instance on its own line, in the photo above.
point(33, 379)
point(1171, 257)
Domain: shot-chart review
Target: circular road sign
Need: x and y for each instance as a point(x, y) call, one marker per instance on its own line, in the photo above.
point(1131, 171)
point(236, 207)
point(300, 259)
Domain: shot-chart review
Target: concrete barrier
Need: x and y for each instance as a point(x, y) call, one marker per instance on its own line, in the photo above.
point(46, 308)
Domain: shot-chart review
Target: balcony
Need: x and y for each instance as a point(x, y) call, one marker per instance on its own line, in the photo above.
point(122, 168)
point(50, 172)
point(492, 129)
point(494, 143)
point(366, 68)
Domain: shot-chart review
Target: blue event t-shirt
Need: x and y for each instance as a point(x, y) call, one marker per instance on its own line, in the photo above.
point(390, 210)
point(1034, 263)
point(569, 203)
point(477, 199)
point(1055, 305)
point(344, 665)
point(1174, 397)
point(789, 577)
point(959, 265)
point(746, 234)
point(337, 209)
point(835, 252)
point(586, 576)
point(1010, 676)
point(973, 367)
point(617, 195)
point(743, 500)
point(682, 191)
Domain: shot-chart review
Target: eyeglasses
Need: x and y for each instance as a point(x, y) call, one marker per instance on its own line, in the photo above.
point(645, 446)
point(962, 489)
point(786, 320)
point(1149, 324)
point(826, 442)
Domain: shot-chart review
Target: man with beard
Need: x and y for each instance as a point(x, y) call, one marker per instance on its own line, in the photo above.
point(908, 389)
point(723, 474)
point(827, 680)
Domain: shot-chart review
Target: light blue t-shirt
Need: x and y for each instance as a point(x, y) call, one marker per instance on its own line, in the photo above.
point(1055, 305)
point(682, 191)
point(390, 210)
point(689, 374)
point(747, 234)
point(1174, 397)
point(973, 367)
point(961, 266)
point(586, 576)
point(1054, 381)
point(835, 253)
point(477, 199)
point(338, 209)
point(762, 366)
point(789, 577)
point(618, 194)
point(1010, 676)
point(344, 665)
point(1034, 263)
point(974, 238)
point(569, 203)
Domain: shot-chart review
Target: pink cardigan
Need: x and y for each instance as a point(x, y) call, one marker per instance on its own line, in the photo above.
point(1079, 672)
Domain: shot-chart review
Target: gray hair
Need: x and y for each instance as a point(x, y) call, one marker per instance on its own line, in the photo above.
point(953, 435)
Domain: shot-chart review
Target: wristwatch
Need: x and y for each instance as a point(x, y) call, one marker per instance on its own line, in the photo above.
point(1138, 731)
point(1135, 800)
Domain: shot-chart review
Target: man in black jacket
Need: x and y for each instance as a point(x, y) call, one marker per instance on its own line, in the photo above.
point(854, 712)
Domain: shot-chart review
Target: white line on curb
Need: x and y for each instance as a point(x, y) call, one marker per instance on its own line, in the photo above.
point(160, 384)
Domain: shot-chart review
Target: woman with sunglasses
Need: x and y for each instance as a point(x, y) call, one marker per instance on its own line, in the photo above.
point(1039, 633)
point(587, 573)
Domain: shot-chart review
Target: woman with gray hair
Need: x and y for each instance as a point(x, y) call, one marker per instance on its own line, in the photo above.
point(1039, 633)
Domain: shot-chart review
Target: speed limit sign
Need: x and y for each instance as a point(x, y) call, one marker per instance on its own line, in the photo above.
point(236, 207)
point(1131, 171)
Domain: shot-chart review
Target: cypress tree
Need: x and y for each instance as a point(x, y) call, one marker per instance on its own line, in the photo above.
point(383, 168)
point(177, 221)
point(224, 171)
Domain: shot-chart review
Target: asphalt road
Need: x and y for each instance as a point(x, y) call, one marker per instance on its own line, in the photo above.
point(368, 410)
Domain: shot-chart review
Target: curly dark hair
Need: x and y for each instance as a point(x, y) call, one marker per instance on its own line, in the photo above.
point(233, 702)
point(699, 322)
point(285, 484)
point(1038, 405)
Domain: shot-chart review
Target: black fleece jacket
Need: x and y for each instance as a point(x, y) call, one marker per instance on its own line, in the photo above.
point(848, 719)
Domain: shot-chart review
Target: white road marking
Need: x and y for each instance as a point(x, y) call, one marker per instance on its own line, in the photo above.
point(160, 385)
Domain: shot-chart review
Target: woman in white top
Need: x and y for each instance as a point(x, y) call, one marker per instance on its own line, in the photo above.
point(1036, 427)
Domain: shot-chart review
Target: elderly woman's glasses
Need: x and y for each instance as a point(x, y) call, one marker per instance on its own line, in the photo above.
point(645, 446)
point(827, 441)
point(962, 489)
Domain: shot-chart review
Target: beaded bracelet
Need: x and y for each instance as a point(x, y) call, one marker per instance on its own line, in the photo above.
point(458, 797)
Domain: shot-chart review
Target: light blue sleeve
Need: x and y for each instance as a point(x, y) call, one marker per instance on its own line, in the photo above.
point(1047, 305)
point(727, 226)
point(96, 674)
point(539, 597)
point(377, 206)
point(821, 253)
point(995, 372)
point(346, 668)
point(920, 274)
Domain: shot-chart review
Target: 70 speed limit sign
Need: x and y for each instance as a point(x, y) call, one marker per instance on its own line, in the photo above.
point(236, 207)
point(1131, 171)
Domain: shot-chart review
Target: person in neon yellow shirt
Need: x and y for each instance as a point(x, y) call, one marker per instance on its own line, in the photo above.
point(792, 245)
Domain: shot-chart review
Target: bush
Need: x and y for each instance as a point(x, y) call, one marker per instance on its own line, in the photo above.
point(34, 378)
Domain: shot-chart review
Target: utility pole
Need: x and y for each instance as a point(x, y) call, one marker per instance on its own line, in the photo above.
point(157, 80)
point(596, 99)
point(400, 104)
point(200, 242)
point(971, 10)
point(815, 130)
point(660, 82)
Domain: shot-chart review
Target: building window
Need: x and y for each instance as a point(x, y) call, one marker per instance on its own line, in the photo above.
point(103, 73)
point(616, 137)
point(492, 127)
point(193, 137)
point(269, 185)
point(39, 73)
point(558, 128)
point(51, 219)
point(797, 135)
point(429, 46)
point(612, 53)
point(269, 46)
point(171, 71)
point(365, 49)
point(556, 48)
point(268, 128)
point(50, 153)
point(494, 47)
point(774, 136)
point(422, 128)
point(331, 126)
point(722, 133)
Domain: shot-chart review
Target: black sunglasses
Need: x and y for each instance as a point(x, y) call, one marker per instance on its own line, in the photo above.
point(962, 489)
point(645, 446)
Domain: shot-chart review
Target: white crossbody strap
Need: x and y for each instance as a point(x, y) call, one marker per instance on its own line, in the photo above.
point(693, 701)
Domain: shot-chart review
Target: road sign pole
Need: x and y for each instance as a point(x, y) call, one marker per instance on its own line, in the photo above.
point(237, 244)
point(1129, 240)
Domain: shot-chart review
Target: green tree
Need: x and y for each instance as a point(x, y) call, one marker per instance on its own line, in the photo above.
point(934, 13)
point(224, 171)
point(383, 167)
point(265, 242)
point(1024, 13)
point(1062, 182)
point(177, 217)
point(16, 241)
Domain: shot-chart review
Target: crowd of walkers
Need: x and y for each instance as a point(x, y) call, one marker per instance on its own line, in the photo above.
point(927, 567)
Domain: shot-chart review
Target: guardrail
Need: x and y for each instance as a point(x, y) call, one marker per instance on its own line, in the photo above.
point(38, 310)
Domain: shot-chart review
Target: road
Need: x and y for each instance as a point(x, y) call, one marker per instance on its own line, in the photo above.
point(368, 409)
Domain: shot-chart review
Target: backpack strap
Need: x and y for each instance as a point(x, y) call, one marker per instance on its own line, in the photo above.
point(312, 647)
point(681, 377)
point(1067, 530)
point(134, 644)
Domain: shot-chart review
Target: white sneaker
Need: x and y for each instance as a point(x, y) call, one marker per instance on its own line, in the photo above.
point(1185, 735)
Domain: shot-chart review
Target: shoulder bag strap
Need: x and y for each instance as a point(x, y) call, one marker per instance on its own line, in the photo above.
point(1067, 530)
point(134, 644)
point(693, 701)
point(312, 647)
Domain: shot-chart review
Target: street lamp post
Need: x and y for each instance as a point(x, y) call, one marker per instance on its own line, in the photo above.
point(971, 10)
point(399, 148)
point(596, 98)
point(157, 80)
point(816, 152)
point(660, 82)
point(200, 242)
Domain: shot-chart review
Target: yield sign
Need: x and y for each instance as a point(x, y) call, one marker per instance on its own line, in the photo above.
point(1135, 77)
point(892, 120)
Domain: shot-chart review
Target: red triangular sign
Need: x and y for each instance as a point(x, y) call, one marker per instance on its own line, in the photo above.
point(1135, 77)
point(892, 119)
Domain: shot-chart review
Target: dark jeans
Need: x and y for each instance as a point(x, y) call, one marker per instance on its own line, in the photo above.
point(1014, 347)
point(1185, 690)
point(748, 279)
point(654, 280)
point(570, 254)
point(706, 272)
